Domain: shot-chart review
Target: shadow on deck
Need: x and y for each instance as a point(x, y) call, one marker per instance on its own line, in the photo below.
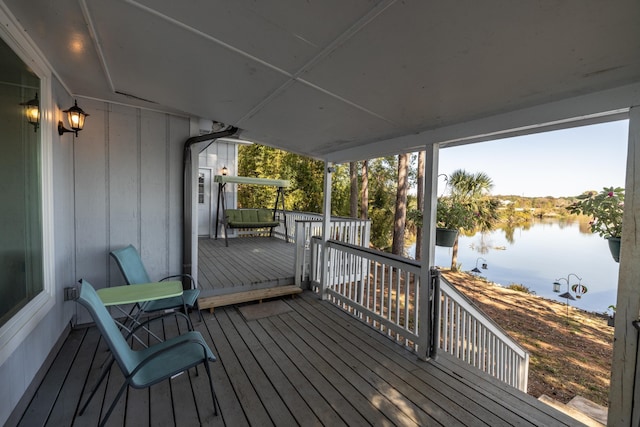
point(249, 269)
point(310, 364)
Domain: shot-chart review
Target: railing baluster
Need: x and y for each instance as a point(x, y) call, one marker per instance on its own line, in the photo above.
point(375, 286)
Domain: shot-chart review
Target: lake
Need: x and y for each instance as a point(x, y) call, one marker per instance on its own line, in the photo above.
point(538, 255)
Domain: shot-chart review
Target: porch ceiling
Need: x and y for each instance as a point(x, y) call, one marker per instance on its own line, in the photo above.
point(323, 78)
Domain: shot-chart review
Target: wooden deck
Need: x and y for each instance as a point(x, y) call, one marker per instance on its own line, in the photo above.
point(250, 268)
point(248, 263)
point(311, 364)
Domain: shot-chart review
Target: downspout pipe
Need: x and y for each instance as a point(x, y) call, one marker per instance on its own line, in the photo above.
point(187, 201)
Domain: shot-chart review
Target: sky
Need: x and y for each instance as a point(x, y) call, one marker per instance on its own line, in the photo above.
point(560, 163)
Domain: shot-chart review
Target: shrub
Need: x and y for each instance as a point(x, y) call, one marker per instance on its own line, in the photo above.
point(521, 288)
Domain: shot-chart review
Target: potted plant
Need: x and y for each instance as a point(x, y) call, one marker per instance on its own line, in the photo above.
point(452, 216)
point(605, 208)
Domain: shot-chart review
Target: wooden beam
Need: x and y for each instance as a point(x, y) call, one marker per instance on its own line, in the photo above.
point(597, 107)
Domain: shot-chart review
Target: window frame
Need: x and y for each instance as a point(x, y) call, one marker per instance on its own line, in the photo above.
point(14, 332)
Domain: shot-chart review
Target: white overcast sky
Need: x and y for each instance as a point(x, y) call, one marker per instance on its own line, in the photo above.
point(560, 163)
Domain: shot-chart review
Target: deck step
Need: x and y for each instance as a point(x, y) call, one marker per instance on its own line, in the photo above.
point(591, 409)
point(574, 411)
point(254, 295)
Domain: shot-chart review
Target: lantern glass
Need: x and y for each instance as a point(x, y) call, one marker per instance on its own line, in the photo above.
point(33, 114)
point(76, 117)
point(32, 111)
point(76, 120)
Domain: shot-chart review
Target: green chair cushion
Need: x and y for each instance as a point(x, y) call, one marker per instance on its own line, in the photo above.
point(250, 218)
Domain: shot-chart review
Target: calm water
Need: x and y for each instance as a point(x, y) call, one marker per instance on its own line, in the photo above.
point(536, 256)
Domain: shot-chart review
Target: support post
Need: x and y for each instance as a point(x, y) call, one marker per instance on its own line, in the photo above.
point(624, 394)
point(326, 228)
point(426, 294)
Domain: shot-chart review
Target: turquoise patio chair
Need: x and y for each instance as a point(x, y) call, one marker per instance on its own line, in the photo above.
point(148, 366)
point(133, 271)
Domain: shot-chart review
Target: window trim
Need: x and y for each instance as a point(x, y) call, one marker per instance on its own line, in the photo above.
point(24, 322)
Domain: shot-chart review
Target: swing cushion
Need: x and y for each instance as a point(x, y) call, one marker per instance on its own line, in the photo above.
point(250, 218)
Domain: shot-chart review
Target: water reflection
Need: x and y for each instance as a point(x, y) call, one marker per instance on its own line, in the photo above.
point(535, 254)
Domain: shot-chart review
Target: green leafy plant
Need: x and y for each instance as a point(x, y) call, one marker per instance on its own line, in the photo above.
point(455, 214)
point(604, 207)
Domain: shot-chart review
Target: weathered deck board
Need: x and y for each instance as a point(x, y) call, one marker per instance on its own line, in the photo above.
point(314, 365)
point(44, 400)
point(248, 263)
point(64, 409)
point(489, 392)
point(211, 302)
point(361, 356)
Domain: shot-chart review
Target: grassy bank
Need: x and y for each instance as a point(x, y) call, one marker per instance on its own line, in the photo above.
point(569, 355)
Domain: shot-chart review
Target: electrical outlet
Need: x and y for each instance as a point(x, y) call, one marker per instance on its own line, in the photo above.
point(70, 293)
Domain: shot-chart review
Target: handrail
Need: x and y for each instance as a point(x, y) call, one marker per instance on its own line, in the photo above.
point(293, 217)
point(469, 334)
point(379, 288)
point(383, 290)
point(305, 226)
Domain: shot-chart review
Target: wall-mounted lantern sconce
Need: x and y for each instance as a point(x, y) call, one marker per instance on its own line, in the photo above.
point(32, 111)
point(76, 117)
point(225, 171)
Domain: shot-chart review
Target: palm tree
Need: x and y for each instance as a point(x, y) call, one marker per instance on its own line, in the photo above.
point(469, 186)
point(471, 190)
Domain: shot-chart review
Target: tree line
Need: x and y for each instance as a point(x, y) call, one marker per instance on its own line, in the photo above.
point(382, 190)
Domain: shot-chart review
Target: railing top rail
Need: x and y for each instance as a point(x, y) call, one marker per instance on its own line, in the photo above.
point(376, 255)
point(469, 306)
point(333, 217)
point(319, 220)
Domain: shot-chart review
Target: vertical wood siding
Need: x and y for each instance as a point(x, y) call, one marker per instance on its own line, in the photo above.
point(128, 190)
point(215, 157)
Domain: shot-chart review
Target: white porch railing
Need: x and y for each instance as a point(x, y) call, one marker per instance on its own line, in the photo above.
point(384, 291)
point(465, 332)
point(379, 288)
point(303, 226)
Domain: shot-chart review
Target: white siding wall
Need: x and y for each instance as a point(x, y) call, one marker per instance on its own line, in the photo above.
point(119, 182)
point(128, 190)
point(215, 157)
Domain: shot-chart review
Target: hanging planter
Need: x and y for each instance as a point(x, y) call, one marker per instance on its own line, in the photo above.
point(614, 247)
point(606, 209)
point(446, 237)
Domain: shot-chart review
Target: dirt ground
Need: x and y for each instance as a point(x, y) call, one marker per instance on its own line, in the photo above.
point(568, 356)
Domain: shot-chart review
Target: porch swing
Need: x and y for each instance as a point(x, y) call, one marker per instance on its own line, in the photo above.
point(253, 219)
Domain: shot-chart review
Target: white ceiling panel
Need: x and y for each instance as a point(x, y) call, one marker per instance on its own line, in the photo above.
point(305, 120)
point(180, 68)
point(285, 34)
point(424, 64)
point(61, 34)
point(330, 77)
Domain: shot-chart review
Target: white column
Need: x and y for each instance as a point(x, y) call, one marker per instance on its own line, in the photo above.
point(326, 227)
point(623, 398)
point(428, 241)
